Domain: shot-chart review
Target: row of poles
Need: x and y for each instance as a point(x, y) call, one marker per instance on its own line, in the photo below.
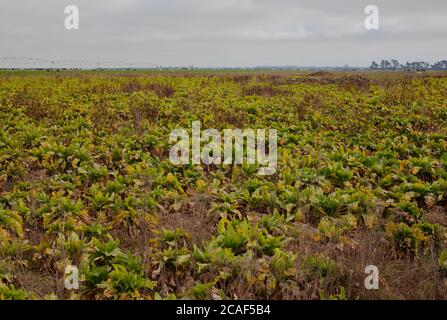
point(36, 63)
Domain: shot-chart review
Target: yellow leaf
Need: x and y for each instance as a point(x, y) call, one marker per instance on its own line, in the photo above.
point(415, 170)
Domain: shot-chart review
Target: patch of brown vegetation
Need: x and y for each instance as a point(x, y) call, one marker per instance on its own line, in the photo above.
point(37, 283)
point(241, 78)
point(321, 73)
point(354, 82)
point(162, 90)
point(437, 215)
point(402, 277)
point(229, 117)
point(350, 82)
point(131, 86)
point(193, 219)
point(263, 91)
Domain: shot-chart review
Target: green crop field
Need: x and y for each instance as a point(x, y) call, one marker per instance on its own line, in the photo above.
point(86, 181)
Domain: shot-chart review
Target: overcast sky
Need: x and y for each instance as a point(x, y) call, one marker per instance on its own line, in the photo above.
point(222, 33)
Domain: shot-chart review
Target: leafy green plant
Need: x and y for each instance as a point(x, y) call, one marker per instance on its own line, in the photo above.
point(234, 234)
point(11, 293)
point(122, 281)
point(282, 264)
point(11, 220)
point(318, 266)
point(442, 260)
point(267, 244)
point(405, 238)
point(335, 227)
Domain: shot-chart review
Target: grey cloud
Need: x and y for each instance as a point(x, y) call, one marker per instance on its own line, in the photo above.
point(225, 32)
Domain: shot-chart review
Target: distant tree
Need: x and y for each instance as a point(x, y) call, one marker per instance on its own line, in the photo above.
point(437, 66)
point(417, 65)
point(440, 65)
point(374, 66)
point(384, 64)
point(424, 65)
point(395, 64)
point(411, 66)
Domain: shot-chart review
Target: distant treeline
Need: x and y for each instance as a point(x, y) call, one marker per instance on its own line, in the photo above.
point(411, 66)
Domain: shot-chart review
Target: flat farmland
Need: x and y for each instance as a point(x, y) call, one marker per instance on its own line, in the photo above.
point(87, 184)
